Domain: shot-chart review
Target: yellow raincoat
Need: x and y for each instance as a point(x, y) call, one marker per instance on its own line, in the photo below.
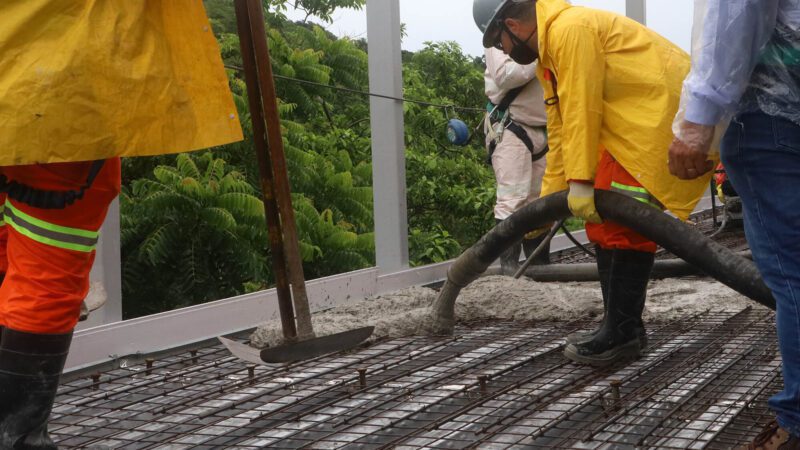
point(618, 86)
point(91, 79)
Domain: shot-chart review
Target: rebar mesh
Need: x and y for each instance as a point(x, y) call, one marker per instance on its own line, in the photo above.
point(702, 383)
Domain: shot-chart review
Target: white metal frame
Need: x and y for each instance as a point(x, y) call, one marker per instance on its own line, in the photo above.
point(388, 135)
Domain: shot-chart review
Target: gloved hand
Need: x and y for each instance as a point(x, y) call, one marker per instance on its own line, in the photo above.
point(581, 202)
point(688, 154)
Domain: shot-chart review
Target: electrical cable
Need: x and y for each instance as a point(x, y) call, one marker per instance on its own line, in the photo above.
point(575, 241)
point(366, 93)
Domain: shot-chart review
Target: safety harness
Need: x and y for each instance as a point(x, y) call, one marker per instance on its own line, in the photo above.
point(499, 115)
point(44, 199)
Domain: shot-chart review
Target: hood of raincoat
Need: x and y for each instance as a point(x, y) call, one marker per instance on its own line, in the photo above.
point(85, 79)
point(611, 84)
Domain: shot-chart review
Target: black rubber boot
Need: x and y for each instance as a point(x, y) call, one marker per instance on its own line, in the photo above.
point(530, 245)
point(604, 257)
point(30, 367)
point(619, 336)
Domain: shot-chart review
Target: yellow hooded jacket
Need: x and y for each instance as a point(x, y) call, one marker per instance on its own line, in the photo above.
point(92, 79)
point(618, 87)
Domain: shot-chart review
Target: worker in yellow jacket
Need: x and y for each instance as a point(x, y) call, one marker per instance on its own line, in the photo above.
point(83, 82)
point(612, 87)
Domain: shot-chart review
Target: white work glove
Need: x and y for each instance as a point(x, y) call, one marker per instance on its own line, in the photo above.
point(581, 202)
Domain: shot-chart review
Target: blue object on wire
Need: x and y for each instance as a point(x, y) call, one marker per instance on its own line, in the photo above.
point(457, 132)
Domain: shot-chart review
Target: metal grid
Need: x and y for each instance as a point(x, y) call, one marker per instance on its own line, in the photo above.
point(702, 383)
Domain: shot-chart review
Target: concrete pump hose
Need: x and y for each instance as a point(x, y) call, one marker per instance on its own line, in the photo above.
point(663, 268)
point(715, 260)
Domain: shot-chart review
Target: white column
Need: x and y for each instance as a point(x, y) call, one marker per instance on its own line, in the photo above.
point(388, 147)
point(636, 10)
point(106, 275)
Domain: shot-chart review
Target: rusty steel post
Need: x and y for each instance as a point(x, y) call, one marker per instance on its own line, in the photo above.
point(276, 238)
point(269, 103)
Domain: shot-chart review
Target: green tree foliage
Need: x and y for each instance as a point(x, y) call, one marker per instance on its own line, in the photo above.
point(194, 232)
point(193, 226)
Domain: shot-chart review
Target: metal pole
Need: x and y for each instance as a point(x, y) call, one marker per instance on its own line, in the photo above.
point(265, 168)
point(636, 10)
point(388, 147)
point(269, 101)
point(540, 248)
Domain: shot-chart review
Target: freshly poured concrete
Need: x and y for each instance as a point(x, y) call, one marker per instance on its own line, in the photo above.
point(399, 313)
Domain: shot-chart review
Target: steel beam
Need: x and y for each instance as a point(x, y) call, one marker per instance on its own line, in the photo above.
point(388, 147)
point(636, 10)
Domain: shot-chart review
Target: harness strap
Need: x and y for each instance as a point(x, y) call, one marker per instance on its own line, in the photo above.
point(44, 199)
point(523, 136)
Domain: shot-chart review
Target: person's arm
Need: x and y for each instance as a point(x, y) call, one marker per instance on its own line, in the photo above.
point(580, 60)
point(505, 72)
point(553, 179)
point(734, 33)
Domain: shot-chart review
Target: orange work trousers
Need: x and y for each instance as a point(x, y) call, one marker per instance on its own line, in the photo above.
point(611, 176)
point(47, 254)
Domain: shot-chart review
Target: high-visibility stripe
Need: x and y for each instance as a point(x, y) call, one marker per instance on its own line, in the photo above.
point(51, 234)
point(625, 187)
point(51, 226)
point(638, 193)
point(2, 216)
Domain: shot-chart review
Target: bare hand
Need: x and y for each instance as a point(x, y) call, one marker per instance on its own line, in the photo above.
point(688, 154)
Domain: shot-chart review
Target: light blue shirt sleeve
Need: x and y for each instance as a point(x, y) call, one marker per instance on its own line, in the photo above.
point(733, 34)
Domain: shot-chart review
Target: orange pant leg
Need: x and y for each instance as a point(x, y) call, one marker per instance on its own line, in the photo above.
point(609, 234)
point(50, 251)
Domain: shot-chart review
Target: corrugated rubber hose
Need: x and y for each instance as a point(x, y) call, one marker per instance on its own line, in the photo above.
point(717, 261)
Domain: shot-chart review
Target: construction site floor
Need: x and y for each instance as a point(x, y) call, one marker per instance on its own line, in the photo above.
point(703, 382)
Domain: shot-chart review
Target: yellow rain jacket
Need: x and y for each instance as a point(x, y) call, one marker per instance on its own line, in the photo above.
point(92, 79)
point(618, 86)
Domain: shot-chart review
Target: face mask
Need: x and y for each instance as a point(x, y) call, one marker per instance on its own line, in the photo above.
point(521, 53)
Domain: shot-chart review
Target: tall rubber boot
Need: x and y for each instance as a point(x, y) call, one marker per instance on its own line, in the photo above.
point(30, 367)
point(530, 245)
point(604, 257)
point(619, 336)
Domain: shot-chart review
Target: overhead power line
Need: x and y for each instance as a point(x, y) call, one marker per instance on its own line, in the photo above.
point(366, 93)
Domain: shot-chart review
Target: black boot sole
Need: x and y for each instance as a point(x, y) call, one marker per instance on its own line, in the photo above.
point(580, 337)
point(630, 350)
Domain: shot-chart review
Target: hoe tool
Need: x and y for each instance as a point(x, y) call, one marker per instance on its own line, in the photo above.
point(301, 342)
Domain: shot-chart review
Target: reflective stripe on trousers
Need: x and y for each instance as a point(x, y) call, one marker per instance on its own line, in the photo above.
point(611, 176)
point(50, 252)
point(637, 193)
point(49, 233)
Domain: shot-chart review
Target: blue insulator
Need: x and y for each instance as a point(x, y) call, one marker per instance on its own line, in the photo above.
point(457, 132)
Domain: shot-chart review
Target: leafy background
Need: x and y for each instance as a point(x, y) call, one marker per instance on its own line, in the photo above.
point(193, 226)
